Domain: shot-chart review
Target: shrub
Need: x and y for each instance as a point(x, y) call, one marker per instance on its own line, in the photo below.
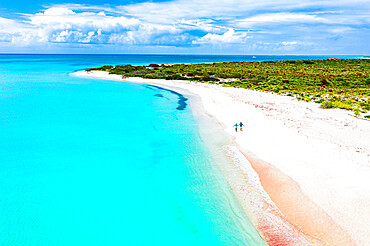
point(344, 84)
point(326, 104)
point(95, 69)
point(356, 111)
point(106, 67)
point(151, 76)
point(176, 77)
point(308, 62)
point(209, 79)
point(342, 105)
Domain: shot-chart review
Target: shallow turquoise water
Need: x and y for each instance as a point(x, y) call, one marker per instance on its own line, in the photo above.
point(92, 162)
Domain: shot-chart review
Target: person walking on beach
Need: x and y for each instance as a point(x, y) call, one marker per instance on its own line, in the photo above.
point(236, 127)
point(241, 126)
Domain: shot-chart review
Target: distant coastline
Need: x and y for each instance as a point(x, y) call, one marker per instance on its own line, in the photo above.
point(332, 83)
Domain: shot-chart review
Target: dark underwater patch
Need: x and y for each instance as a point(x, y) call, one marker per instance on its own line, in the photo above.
point(181, 102)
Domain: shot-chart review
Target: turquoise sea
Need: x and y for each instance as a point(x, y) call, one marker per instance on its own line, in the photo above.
point(93, 162)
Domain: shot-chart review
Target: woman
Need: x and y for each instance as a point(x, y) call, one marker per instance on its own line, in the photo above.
point(236, 127)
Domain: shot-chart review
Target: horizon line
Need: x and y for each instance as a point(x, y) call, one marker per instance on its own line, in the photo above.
point(169, 54)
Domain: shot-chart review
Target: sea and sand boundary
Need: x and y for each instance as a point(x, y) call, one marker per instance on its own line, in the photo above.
point(309, 182)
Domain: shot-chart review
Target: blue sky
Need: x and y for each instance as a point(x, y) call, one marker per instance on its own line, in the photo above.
point(247, 27)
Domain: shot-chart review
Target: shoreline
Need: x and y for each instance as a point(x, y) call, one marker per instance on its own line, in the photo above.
point(304, 193)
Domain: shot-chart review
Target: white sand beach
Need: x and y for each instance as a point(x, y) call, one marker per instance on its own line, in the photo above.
point(313, 163)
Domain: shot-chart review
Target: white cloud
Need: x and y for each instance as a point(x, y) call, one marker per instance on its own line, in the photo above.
point(64, 25)
point(170, 11)
point(228, 37)
point(188, 22)
point(207, 25)
point(55, 11)
point(15, 32)
point(125, 38)
point(289, 43)
point(279, 18)
point(61, 18)
point(341, 30)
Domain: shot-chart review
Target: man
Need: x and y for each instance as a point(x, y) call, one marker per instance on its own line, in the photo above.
point(241, 126)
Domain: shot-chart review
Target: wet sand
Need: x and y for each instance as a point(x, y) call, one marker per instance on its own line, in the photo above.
point(296, 206)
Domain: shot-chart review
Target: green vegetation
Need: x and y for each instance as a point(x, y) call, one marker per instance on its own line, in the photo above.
point(341, 84)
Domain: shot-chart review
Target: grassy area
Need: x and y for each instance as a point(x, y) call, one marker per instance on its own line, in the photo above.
point(341, 84)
